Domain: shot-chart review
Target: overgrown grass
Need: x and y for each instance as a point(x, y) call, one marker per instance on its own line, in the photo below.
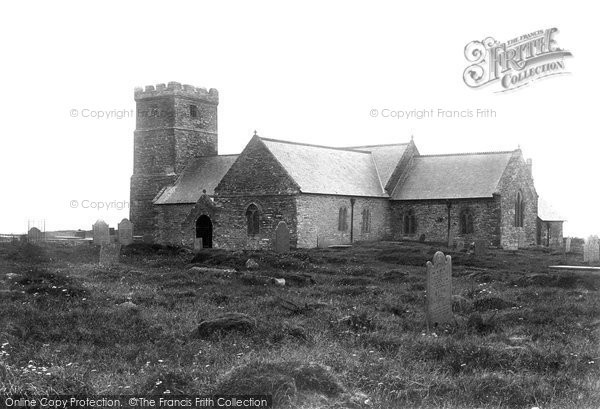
point(347, 329)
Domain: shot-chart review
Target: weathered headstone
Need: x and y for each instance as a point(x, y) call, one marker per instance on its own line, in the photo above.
point(439, 290)
point(148, 238)
point(34, 235)
point(100, 232)
point(460, 244)
point(125, 232)
point(198, 244)
point(591, 250)
point(568, 245)
point(282, 238)
point(109, 254)
point(479, 247)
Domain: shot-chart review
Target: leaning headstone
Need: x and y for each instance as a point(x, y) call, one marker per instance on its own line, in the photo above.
point(101, 233)
point(109, 254)
point(282, 238)
point(198, 244)
point(568, 245)
point(125, 232)
point(439, 290)
point(591, 250)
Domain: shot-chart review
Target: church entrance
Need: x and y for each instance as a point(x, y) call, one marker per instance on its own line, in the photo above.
point(204, 230)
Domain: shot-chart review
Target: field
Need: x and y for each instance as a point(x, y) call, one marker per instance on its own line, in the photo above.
point(346, 330)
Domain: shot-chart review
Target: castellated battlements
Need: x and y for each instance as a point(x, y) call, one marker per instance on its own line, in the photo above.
point(177, 89)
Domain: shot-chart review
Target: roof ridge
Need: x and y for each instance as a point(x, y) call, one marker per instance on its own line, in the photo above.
point(466, 153)
point(215, 156)
point(312, 145)
point(377, 146)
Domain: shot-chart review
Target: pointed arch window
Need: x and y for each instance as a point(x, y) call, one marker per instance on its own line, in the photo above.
point(466, 222)
point(253, 220)
point(519, 209)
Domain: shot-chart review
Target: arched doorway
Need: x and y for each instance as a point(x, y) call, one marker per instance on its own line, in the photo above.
point(204, 230)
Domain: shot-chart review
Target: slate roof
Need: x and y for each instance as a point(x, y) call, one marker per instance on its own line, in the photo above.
point(201, 173)
point(470, 175)
point(386, 158)
point(326, 170)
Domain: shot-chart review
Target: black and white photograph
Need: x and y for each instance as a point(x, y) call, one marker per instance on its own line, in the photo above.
point(299, 205)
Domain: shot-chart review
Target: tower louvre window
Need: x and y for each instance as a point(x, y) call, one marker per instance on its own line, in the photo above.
point(193, 111)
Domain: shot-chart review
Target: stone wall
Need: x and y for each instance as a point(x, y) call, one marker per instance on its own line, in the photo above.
point(256, 172)
point(318, 219)
point(166, 138)
point(550, 233)
point(431, 217)
point(142, 212)
point(231, 228)
point(171, 228)
point(517, 177)
point(255, 178)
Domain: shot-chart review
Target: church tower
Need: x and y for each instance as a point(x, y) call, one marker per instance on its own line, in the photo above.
point(174, 124)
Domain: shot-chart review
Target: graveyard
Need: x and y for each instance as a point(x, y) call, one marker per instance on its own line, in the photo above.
point(344, 327)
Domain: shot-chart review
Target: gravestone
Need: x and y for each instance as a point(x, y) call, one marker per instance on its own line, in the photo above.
point(439, 290)
point(479, 247)
point(591, 250)
point(34, 235)
point(100, 232)
point(148, 238)
point(198, 244)
point(109, 254)
point(460, 244)
point(568, 245)
point(282, 238)
point(125, 232)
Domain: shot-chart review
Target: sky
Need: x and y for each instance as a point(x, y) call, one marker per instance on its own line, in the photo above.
point(311, 72)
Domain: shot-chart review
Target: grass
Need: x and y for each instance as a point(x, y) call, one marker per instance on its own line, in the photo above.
point(347, 329)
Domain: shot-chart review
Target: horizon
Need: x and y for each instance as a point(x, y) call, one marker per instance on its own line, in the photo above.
point(292, 78)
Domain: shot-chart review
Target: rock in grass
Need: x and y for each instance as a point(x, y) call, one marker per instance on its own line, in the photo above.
point(233, 321)
point(251, 264)
point(279, 282)
point(127, 304)
point(286, 381)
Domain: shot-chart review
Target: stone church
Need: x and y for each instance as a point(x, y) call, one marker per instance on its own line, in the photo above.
point(182, 189)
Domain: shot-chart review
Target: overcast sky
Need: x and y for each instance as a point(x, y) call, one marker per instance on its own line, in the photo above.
point(309, 72)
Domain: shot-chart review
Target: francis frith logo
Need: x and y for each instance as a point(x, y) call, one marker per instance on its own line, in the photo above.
point(515, 63)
